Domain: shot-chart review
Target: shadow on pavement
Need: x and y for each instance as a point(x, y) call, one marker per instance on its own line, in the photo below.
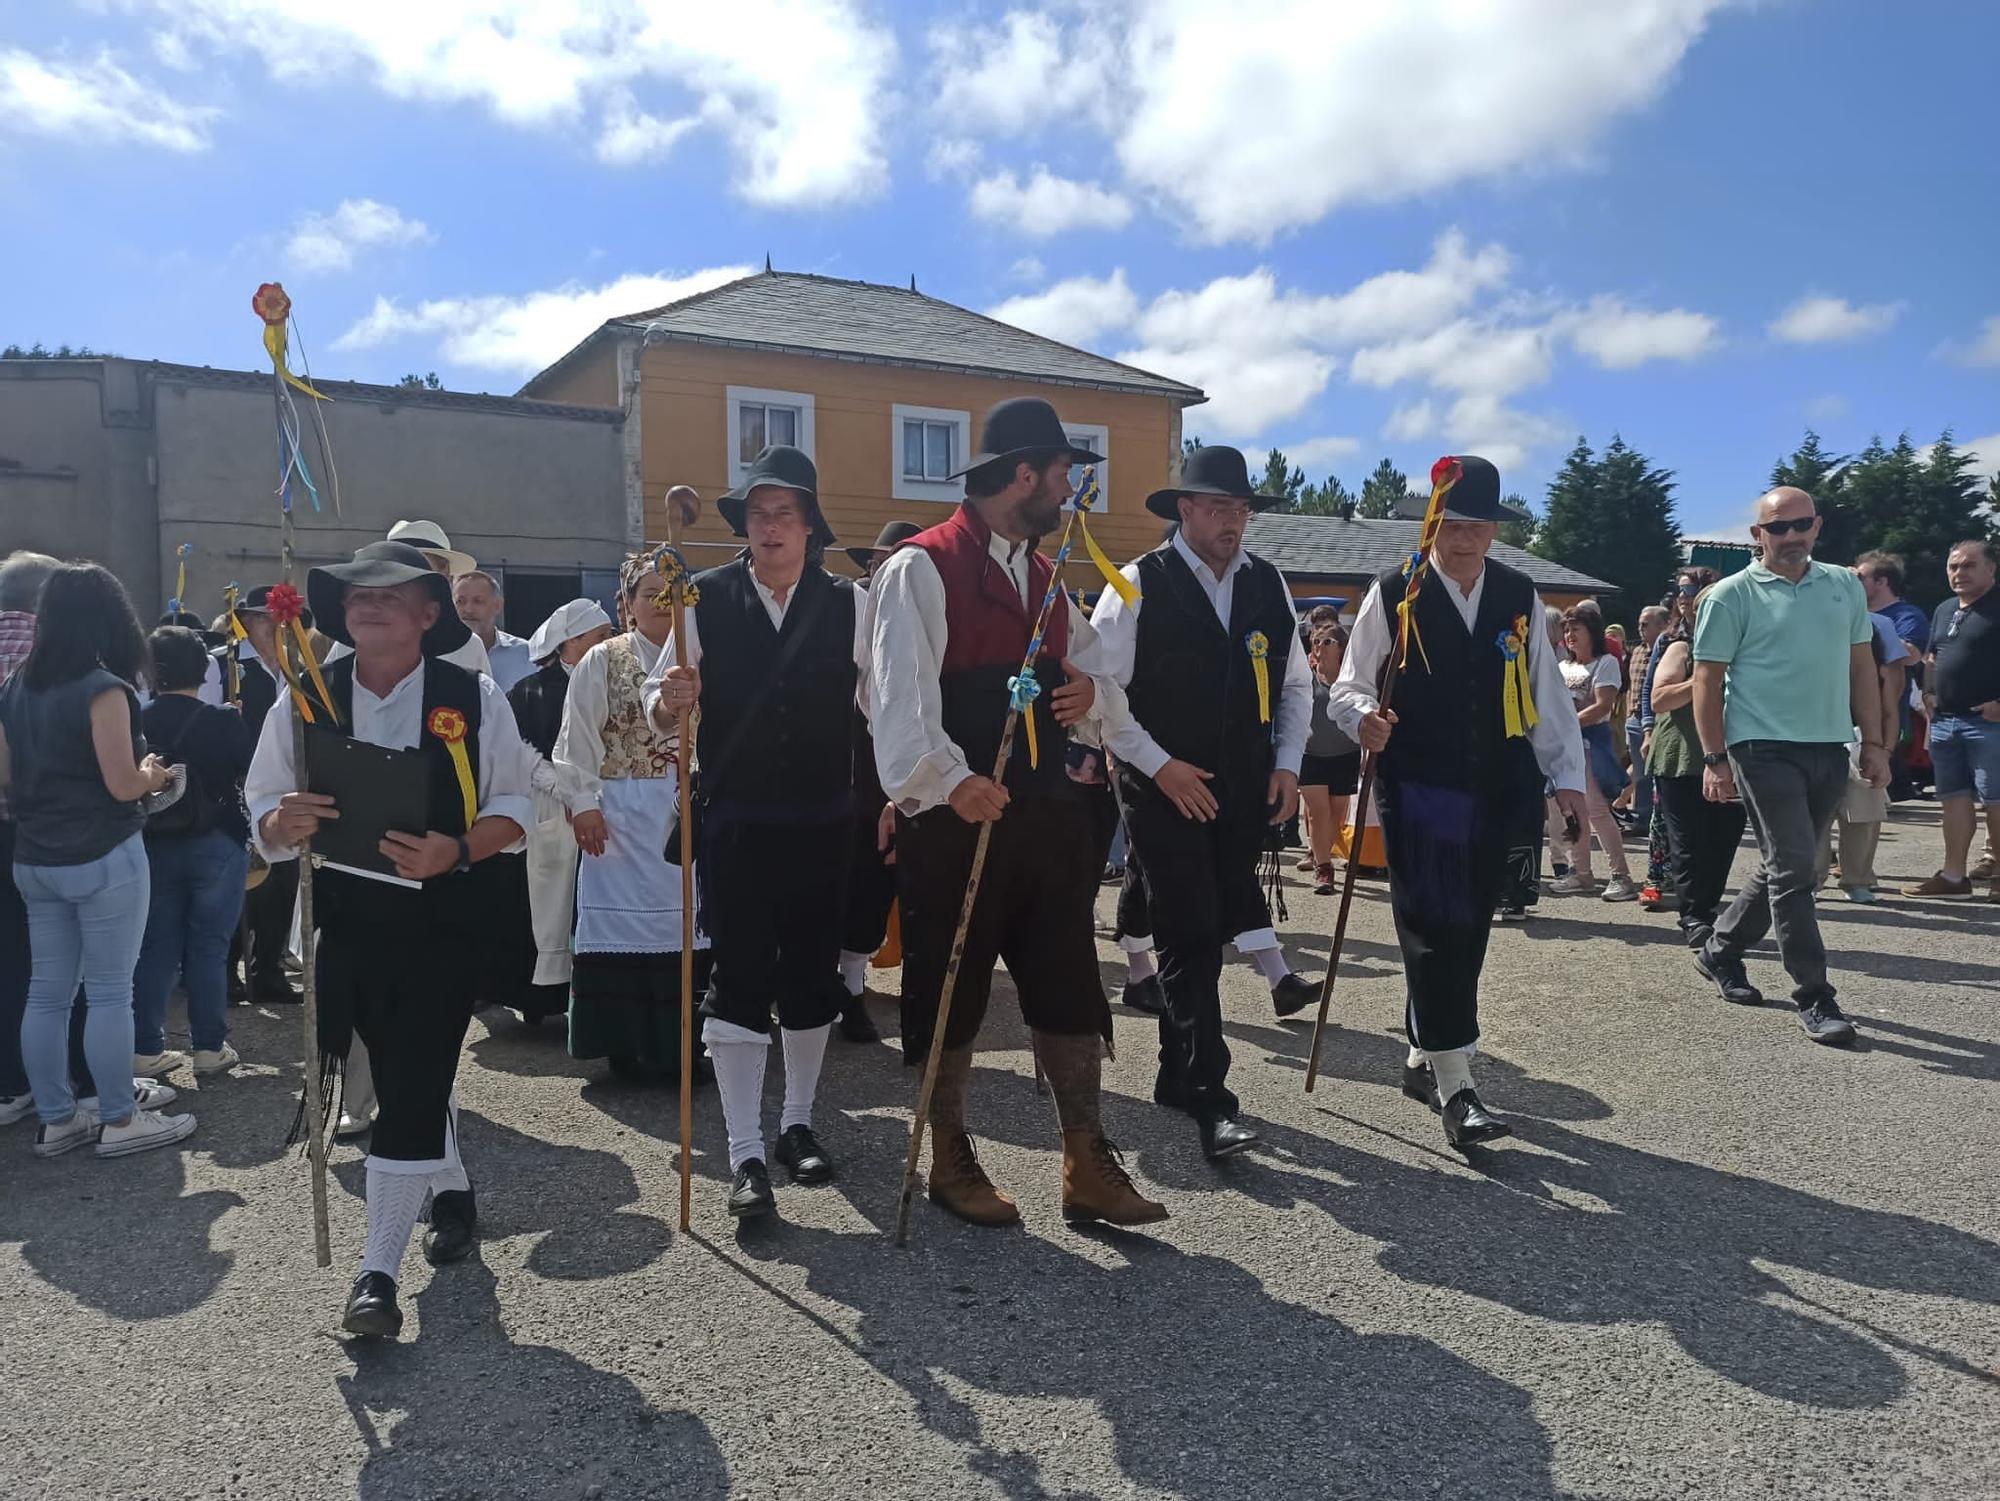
point(480, 1415)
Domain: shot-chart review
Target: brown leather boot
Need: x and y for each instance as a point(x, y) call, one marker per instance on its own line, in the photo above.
point(959, 1184)
point(1097, 1187)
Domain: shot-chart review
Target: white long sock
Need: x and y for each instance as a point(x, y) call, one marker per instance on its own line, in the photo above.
point(853, 970)
point(1453, 1070)
point(1416, 1058)
point(739, 1056)
point(1271, 964)
point(804, 1053)
point(1139, 965)
point(358, 1083)
point(394, 1202)
point(451, 1177)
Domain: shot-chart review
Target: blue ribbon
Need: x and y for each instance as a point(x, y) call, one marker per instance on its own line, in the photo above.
point(1023, 690)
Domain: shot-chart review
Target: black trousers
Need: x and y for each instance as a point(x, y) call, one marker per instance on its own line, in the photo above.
point(871, 885)
point(1703, 836)
point(773, 900)
point(269, 908)
point(1199, 882)
point(1447, 849)
point(1034, 912)
point(409, 996)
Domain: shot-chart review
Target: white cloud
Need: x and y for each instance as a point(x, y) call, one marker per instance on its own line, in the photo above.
point(800, 105)
point(327, 242)
point(1477, 357)
point(1408, 424)
point(1076, 310)
point(1829, 408)
point(1315, 454)
point(1259, 118)
point(630, 136)
point(1984, 349)
point(96, 100)
point(1023, 74)
point(523, 334)
point(1817, 319)
point(1619, 337)
point(1507, 435)
point(1027, 268)
point(952, 156)
point(1047, 205)
point(1245, 395)
point(1985, 453)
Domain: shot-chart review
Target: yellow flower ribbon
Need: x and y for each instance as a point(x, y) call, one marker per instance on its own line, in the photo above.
point(275, 346)
point(1123, 587)
point(1444, 474)
point(449, 726)
point(1518, 699)
point(1259, 647)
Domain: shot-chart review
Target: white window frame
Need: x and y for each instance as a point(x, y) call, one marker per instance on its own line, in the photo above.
point(737, 467)
point(1097, 437)
point(950, 492)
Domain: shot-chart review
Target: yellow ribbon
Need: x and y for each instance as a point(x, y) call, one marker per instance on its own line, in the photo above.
point(1259, 647)
point(1113, 579)
point(449, 726)
point(274, 345)
point(1446, 475)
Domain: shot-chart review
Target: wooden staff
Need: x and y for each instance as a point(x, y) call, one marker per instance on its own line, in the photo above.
point(683, 507)
point(1443, 476)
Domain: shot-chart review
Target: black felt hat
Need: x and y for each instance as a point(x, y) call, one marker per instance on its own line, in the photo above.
point(789, 469)
point(1021, 427)
point(891, 535)
point(383, 565)
point(1210, 470)
point(1476, 496)
point(257, 599)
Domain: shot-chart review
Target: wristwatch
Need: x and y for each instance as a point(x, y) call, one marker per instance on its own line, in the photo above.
point(1713, 758)
point(464, 857)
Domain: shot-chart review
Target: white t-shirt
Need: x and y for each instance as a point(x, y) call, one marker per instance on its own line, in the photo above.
point(1583, 682)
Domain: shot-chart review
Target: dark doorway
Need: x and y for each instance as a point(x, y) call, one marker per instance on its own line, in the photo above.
point(534, 595)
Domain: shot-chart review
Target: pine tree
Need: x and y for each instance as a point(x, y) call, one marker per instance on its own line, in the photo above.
point(1329, 499)
point(1383, 491)
point(1519, 531)
point(1282, 479)
point(1613, 518)
point(1909, 502)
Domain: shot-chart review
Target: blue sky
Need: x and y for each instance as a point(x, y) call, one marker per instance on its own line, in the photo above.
point(1399, 227)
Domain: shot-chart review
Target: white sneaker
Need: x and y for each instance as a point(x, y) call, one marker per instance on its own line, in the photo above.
point(214, 1061)
point(14, 1107)
point(152, 1065)
point(349, 1126)
point(1572, 885)
point(1621, 889)
point(53, 1141)
point(147, 1094)
point(147, 1129)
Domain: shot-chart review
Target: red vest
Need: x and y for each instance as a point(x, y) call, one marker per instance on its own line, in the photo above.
point(986, 624)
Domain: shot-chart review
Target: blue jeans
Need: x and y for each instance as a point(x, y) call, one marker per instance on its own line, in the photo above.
point(1602, 758)
point(1965, 758)
point(84, 923)
point(197, 898)
point(1642, 785)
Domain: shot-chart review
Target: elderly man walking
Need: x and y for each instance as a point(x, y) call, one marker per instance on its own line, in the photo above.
point(1962, 696)
point(1784, 672)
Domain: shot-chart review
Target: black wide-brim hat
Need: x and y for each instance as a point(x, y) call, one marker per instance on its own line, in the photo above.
point(258, 599)
point(788, 468)
point(1476, 496)
point(1210, 470)
point(1020, 428)
point(383, 565)
point(892, 534)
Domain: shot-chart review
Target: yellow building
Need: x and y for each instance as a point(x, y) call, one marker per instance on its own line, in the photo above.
point(884, 387)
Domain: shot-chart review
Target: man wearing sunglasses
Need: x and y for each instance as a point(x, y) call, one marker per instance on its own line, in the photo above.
point(1784, 673)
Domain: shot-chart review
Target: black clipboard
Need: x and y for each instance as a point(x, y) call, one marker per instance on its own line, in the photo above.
point(375, 790)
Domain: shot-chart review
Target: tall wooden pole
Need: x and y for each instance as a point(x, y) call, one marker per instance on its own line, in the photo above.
point(683, 505)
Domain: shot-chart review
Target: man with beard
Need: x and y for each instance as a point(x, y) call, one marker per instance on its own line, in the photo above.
point(953, 611)
point(1221, 700)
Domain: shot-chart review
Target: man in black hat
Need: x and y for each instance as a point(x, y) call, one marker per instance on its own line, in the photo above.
point(397, 961)
point(774, 654)
point(1221, 700)
point(871, 871)
point(1481, 719)
point(952, 614)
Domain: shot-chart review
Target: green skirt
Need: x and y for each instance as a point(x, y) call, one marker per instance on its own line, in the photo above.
point(627, 1007)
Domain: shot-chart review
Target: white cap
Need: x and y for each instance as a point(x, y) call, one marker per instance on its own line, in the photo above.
point(428, 536)
point(568, 622)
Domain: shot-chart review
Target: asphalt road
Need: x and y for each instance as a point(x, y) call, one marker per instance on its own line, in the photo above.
point(1716, 1261)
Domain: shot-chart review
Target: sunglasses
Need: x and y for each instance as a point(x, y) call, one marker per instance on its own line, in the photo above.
point(1800, 524)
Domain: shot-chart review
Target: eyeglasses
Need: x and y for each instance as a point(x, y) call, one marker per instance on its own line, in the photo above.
point(1800, 524)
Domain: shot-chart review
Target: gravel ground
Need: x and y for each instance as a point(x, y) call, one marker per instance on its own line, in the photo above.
point(1716, 1261)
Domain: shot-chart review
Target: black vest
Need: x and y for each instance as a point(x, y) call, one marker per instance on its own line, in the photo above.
point(788, 735)
point(356, 907)
point(258, 692)
point(1194, 686)
point(1451, 727)
point(537, 701)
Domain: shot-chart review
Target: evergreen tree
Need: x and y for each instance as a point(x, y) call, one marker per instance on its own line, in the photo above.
point(417, 382)
point(1283, 479)
point(1910, 502)
point(1382, 491)
point(1613, 518)
point(1519, 531)
point(1329, 499)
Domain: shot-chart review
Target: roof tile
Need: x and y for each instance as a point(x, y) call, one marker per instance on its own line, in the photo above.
point(1306, 547)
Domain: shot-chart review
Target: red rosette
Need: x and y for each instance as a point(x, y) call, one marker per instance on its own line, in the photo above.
point(284, 604)
point(271, 302)
point(448, 725)
point(1444, 471)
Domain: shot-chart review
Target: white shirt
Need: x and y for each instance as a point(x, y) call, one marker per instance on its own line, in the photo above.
point(1117, 626)
point(579, 749)
point(1556, 737)
point(395, 721)
point(776, 609)
point(471, 656)
point(919, 764)
point(509, 658)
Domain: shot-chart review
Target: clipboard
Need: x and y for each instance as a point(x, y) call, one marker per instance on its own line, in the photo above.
point(375, 789)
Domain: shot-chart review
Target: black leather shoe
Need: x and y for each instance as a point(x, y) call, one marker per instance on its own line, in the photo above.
point(1467, 1123)
point(1293, 994)
point(803, 1156)
point(1420, 1086)
point(1146, 995)
point(454, 1227)
point(750, 1191)
point(856, 1025)
point(371, 1307)
point(1729, 978)
point(1222, 1137)
point(274, 990)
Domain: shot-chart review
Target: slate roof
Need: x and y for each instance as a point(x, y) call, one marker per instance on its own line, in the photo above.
point(795, 313)
point(1331, 547)
point(361, 391)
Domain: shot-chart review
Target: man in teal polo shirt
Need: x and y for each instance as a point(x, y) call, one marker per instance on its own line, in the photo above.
point(1784, 671)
